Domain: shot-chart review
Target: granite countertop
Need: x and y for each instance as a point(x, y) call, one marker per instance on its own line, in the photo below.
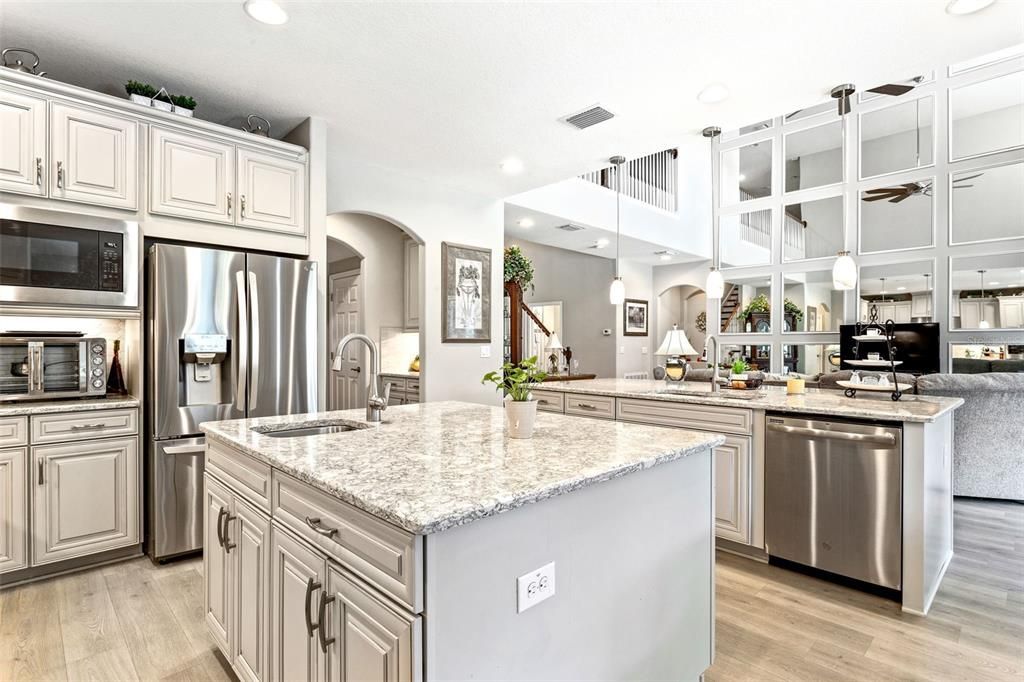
point(909, 408)
point(80, 405)
point(434, 466)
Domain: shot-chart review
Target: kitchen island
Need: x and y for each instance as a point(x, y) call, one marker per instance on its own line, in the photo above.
point(431, 546)
point(925, 495)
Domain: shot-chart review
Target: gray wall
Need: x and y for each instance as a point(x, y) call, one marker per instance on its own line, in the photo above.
point(581, 283)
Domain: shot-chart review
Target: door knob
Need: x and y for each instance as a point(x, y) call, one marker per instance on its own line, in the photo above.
point(357, 370)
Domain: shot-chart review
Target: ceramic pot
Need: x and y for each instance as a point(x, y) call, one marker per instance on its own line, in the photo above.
point(140, 99)
point(520, 416)
point(182, 111)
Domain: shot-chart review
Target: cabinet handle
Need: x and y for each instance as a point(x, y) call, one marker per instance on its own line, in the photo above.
point(228, 545)
point(243, 207)
point(41, 467)
point(87, 427)
point(318, 527)
point(586, 406)
point(60, 175)
point(39, 171)
point(220, 526)
point(310, 625)
point(324, 640)
point(229, 203)
point(543, 402)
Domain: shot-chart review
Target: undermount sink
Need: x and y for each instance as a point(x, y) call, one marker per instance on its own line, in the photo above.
point(721, 393)
point(306, 430)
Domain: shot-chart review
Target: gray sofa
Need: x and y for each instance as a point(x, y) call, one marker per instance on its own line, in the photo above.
point(988, 452)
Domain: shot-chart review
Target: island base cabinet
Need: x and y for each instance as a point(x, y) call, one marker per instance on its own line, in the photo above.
point(298, 575)
point(236, 563)
point(368, 640)
point(13, 510)
point(732, 489)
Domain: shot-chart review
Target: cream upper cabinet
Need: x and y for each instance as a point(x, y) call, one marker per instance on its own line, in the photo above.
point(973, 311)
point(22, 143)
point(13, 510)
point(1011, 312)
point(271, 192)
point(921, 305)
point(93, 157)
point(411, 297)
point(85, 498)
point(191, 176)
point(732, 489)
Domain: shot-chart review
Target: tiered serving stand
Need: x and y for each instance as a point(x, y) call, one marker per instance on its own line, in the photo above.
point(872, 335)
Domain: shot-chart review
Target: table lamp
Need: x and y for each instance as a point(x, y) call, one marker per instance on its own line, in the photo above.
point(675, 345)
point(554, 346)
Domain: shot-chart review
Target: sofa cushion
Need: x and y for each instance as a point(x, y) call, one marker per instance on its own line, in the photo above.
point(960, 385)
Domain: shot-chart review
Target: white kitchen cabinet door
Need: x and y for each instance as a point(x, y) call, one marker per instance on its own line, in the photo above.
point(85, 498)
point(93, 157)
point(13, 509)
point(271, 192)
point(298, 574)
point(973, 311)
point(372, 641)
point(191, 176)
point(921, 305)
point(901, 312)
point(412, 286)
point(1011, 312)
point(23, 157)
point(217, 564)
point(247, 538)
point(732, 489)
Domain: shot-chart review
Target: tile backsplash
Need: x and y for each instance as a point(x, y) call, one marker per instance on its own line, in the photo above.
point(398, 348)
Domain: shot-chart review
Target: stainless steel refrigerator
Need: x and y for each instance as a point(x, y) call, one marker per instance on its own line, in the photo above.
point(229, 335)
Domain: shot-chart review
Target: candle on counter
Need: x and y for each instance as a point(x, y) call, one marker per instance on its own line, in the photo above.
point(795, 385)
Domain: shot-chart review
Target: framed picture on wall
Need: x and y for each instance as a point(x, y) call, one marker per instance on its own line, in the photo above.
point(634, 317)
point(466, 289)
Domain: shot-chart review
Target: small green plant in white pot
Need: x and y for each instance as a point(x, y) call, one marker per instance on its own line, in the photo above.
point(739, 371)
point(517, 381)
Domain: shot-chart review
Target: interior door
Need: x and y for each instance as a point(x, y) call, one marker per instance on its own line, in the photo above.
point(347, 385)
point(283, 335)
point(271, 192)
point(298, 575)
point(94, 157)
point(22, 144)
point(191, 176)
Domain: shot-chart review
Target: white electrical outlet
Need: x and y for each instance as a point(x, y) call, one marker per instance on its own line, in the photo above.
point(643, 350)
point(485, 351)
point(535, 586)
point(622, 349)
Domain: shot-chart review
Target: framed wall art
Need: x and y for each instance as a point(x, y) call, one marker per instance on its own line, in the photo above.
point(467, 294)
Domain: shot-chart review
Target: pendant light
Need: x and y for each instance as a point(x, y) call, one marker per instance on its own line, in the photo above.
point(617, 291)
point(984, 323)
point(844, 270)
point(714, 287)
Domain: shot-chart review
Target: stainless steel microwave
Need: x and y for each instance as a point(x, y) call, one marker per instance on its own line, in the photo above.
point(49, 367)
point(59, 258)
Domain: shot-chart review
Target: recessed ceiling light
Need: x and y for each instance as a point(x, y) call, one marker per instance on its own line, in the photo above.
point(602, 242)
point(901, 288)
point(713, 93)
point(265, 11)
point(665, 256)
point(992, 284)
point(741, 177)
point(967, 6)
point(525, 222)
point(512, 166)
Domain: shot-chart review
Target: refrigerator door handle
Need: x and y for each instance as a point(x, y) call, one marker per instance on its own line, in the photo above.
point(242, 348)
point(254, 312)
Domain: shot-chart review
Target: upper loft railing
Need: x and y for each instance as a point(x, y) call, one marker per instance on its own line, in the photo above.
point(756, 226)
point(652, 179)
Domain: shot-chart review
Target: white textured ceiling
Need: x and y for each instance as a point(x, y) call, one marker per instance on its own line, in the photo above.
point(449, 90)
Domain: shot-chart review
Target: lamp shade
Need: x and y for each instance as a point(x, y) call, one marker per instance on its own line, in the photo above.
point(714, 288)
point(844, 272)
point(676, 343)
point(554, 343)
point(617, 292)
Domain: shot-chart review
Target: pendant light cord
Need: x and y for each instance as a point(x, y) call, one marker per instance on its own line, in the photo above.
point(618, 219)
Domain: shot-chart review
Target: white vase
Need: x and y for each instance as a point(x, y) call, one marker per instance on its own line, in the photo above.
point(182, 111)
point(140, 99)
point(520, 416)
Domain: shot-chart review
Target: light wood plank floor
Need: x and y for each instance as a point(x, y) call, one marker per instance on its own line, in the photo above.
point(137, 621)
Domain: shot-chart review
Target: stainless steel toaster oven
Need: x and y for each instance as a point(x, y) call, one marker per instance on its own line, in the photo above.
point(51, 366)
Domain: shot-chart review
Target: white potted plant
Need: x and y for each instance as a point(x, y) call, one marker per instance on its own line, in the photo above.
point(140, 93)
point(517, 381)
point(183, 105)
point(738, 377)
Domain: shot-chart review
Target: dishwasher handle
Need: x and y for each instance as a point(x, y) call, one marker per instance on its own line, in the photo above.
point(878, 439)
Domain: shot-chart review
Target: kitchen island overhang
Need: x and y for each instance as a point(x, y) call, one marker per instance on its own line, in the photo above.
point(434, 514)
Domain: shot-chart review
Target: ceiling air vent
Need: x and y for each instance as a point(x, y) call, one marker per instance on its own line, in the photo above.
point(588, 117)
point(569, 227)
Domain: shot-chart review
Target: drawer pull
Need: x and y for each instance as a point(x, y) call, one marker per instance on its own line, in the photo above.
point(586, 406)
point(317, 527)
point(543, 402)
point(321, 633)
point(310, 587)
point(41, 469)
point(220, 526)
point(87, 427)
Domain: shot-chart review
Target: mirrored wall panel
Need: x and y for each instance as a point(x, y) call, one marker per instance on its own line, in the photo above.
point(972, 358)
point(746, 305)
point(758, 356)
point(814, 157)
point(1006, 54)
point(987, 116)
point(988, 203)
point(897, 138)
point(812, 229)
point(810, 303)
point(987, 292)
point(901, 292)
point(746, 130)
point(747, 173)
point(898, 216)
point(810, 359)
point(745, 239)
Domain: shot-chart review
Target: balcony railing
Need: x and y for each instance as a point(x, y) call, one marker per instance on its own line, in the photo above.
point(652, 179)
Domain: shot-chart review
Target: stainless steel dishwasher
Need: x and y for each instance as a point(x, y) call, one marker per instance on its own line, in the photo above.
point(833, 497)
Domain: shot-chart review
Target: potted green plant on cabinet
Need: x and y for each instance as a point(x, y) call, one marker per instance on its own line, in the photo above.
point(518, 268)
point(516, 381)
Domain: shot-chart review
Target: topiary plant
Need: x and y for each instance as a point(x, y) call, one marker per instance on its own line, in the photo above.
point(137, 88)
point(518, 267)
point(183, 101)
